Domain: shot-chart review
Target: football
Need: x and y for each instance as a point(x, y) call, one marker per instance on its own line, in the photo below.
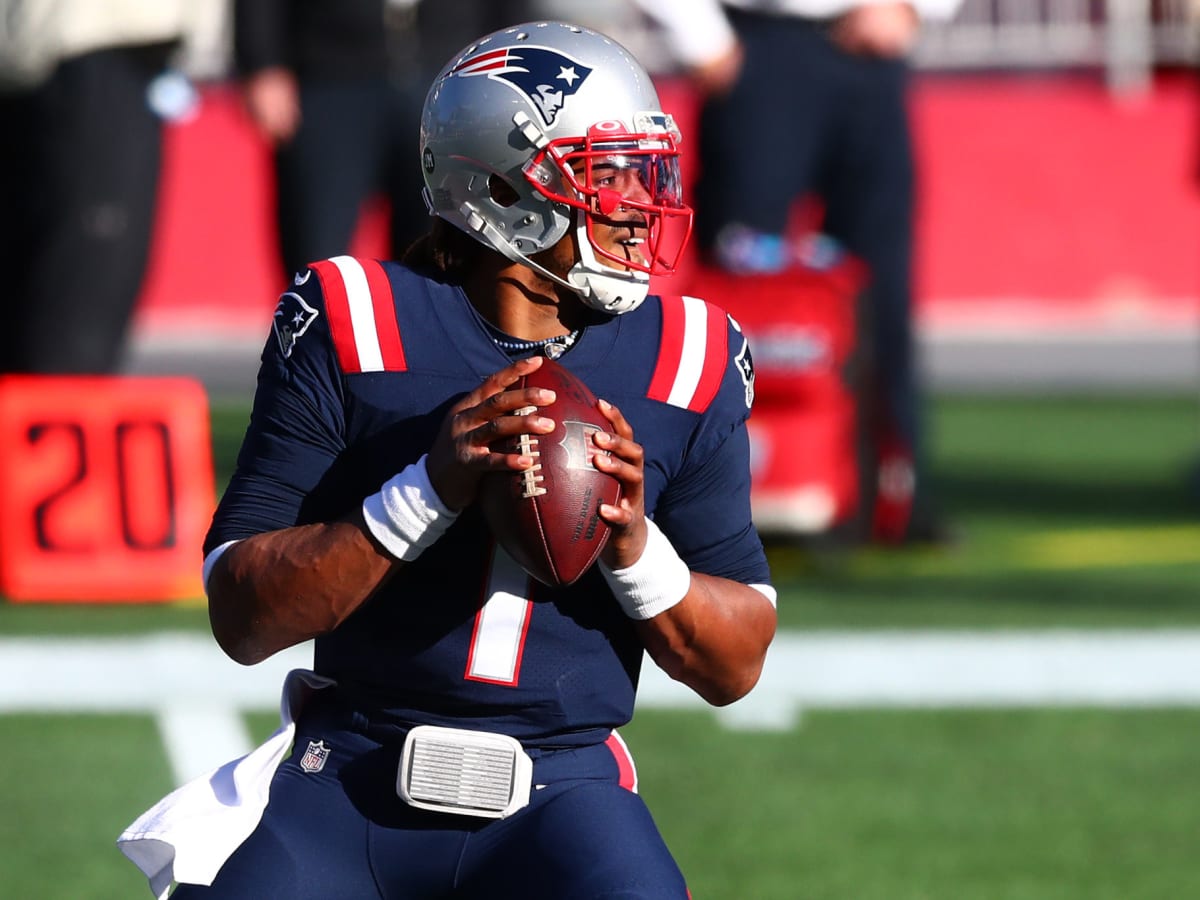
point(547, 518)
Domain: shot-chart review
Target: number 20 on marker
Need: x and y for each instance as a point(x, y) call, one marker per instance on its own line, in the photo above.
point(106, 487)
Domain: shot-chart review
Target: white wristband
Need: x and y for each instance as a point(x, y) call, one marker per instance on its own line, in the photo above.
point(210, 563)
point(653, 584)
point(406, 515)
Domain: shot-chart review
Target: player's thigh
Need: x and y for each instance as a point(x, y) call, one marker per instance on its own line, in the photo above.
point(311, 843)
point(589, 841)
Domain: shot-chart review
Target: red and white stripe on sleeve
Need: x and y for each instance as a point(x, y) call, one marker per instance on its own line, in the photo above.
point(692, 354)
point(362, 314)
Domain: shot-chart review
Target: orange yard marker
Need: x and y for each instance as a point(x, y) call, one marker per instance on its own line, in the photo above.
point(106, 487)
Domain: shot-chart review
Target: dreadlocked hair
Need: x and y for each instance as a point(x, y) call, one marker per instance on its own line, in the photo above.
point(444, 252)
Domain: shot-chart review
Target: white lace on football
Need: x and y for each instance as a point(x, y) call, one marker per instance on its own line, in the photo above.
point(527, 444)
point(407, 516)
point(653, 584)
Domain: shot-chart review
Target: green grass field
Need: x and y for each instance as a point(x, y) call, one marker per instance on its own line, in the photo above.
point(1074, 512)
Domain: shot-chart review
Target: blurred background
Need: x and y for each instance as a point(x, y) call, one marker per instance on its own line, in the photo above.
point(1001, 706)
point(1056, 152)
point(1059, 202)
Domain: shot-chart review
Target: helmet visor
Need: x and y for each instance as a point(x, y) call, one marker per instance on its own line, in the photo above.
point(630, 189)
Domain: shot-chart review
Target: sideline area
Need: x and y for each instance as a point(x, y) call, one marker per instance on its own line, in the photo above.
point(198, 695)
point(1053, 244)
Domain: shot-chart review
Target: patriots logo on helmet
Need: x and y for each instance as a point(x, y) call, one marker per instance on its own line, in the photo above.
point(543, 76)
point(292, 318)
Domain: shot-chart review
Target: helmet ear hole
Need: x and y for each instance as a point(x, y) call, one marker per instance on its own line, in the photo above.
point(501, 192)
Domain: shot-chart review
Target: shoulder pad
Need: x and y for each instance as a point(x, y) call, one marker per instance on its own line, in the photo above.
point(362, 314)
point(693, 351)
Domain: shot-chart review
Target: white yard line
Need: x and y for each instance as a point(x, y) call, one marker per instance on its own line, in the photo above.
point(199, 739)
point(197, 694)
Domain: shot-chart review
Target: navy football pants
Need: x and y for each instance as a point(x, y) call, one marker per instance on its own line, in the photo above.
point(344, 834)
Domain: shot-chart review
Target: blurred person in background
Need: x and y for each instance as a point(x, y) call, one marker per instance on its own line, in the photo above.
point(79, 168)
point(336, 89)
point(807, 98)
point(1193, 474)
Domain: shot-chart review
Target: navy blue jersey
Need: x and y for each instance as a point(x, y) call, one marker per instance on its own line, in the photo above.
point(365, 359)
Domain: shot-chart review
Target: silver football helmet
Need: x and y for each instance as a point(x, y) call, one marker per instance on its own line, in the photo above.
point(543, 127)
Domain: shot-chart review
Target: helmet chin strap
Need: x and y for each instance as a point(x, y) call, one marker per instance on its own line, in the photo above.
point(600, 287)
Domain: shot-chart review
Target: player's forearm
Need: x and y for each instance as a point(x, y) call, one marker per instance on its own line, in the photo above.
point(715, 640)
point(280, 588)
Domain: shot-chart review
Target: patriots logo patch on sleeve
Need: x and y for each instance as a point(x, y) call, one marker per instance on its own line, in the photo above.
point(745, 363)
point(292, 318)
point(545, 77)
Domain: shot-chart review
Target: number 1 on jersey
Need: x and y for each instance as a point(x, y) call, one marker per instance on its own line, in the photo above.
point(501, 624)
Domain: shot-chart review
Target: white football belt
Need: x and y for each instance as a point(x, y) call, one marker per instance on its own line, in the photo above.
point(467, 773)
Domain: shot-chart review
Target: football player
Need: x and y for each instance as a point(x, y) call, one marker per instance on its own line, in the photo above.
point(457, 734)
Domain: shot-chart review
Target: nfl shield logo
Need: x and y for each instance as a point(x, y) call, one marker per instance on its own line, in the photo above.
point(314, 757)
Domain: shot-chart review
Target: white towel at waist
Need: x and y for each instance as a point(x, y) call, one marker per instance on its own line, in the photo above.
point(188, 835)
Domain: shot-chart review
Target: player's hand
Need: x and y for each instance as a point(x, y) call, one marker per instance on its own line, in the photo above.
point(885, 30)
point(273, 100)
point(463, 452)
point(717, 76)
point(625, 460)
